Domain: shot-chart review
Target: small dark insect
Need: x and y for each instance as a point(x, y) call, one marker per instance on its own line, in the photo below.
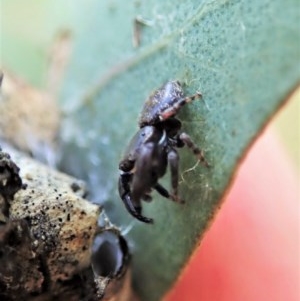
point(153, 147)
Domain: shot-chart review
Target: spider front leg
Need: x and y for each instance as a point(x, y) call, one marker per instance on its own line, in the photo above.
point(174, 108)
point(185, 139)
point(124, 191)
point(165, 193)
point(173, 160)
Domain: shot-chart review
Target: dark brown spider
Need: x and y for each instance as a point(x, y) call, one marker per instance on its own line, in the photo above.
point(153, 147)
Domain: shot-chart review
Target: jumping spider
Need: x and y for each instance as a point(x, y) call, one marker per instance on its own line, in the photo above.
point(153, 147)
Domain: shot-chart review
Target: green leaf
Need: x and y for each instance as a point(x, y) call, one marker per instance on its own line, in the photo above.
point(244, 58)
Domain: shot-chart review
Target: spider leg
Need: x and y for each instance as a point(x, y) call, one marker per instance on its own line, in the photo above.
point(173, 160)
point(135, 211)
point(124, 191)
point(185, 139)
point(165, 193)
point(171, 111)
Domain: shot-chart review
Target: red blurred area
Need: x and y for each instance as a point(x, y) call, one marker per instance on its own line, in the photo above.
point(252, 250)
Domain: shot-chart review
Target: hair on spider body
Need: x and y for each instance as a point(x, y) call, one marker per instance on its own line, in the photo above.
point(153, 148)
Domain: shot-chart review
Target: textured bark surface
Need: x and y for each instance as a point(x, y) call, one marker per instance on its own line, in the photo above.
point(48, 235)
